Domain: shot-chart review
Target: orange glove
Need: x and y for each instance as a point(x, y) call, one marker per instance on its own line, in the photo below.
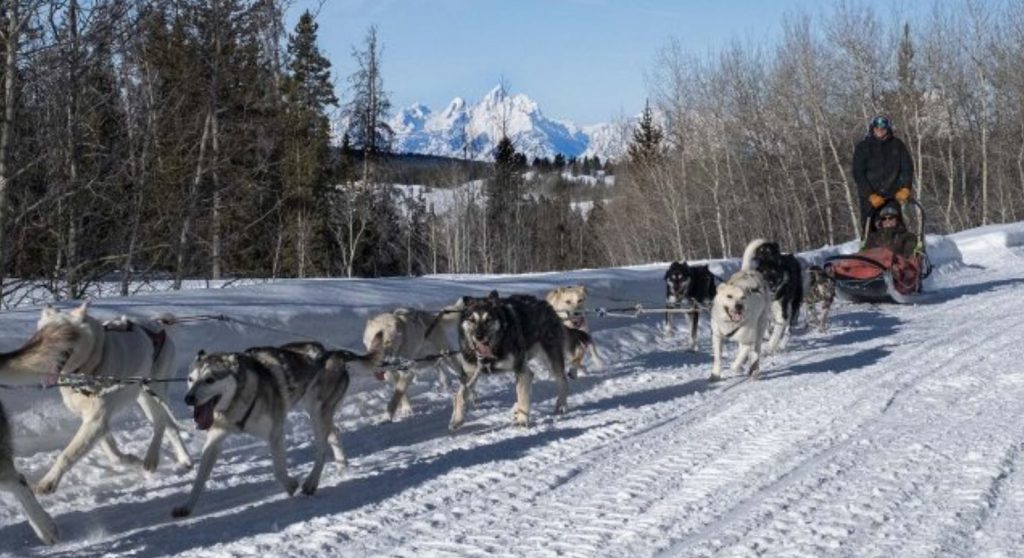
point(903, 194)
point(876, 201)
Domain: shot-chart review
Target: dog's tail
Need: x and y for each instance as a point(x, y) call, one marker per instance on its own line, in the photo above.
point(748, 253)
point(44, 353)
point(579, 339)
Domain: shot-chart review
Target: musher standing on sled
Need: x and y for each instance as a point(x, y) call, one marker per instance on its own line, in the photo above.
point(882, 168)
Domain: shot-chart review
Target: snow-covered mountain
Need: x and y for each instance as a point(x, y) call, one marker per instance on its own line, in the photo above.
point(471, 130)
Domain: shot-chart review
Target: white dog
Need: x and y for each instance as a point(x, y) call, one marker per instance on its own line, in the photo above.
point(26, 366)
point(740, 313)
point(116, 350)
point(403, 333)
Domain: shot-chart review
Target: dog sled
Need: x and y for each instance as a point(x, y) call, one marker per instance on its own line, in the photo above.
point(882, 273)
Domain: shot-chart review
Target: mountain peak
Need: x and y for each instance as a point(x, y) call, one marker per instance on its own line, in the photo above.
point(474, 129)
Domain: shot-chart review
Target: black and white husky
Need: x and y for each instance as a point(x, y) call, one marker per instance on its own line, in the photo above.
point(501, 334)
point(692, 286)
point(252, 392)
point(784, 276)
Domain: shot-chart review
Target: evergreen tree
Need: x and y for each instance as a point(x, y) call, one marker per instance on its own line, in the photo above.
point(306, 144)
point(645, 146)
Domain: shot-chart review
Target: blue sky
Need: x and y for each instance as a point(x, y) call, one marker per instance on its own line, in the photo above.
point(581, 60)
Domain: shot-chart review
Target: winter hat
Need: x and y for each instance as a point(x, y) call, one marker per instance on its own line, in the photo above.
point(889, 209)
point(880, 122)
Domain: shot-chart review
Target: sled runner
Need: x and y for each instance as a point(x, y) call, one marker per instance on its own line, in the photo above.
point(880, 273)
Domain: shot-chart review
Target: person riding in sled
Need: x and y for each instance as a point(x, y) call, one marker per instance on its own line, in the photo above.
point(891, 232)
point(882, 168)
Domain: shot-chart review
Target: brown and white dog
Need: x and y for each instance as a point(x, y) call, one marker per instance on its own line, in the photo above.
point(569, 303)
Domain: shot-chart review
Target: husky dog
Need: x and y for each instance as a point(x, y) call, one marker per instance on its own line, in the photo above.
point(41, 355)
point(123, 350)
point(569, 303)
point(252, 392)
point(740, 313)
point(821, 292)
point(692, 284)
point(783, 274)
point(402, 333)
point(500, 334)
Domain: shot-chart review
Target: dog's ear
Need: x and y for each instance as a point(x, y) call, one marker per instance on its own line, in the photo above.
point(78, 314)
point(583, 289)
point(200, 354)
point(493, 295)
point(49, 311)
point(686, 266)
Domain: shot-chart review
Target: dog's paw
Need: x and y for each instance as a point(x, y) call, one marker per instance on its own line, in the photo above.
point(46, 486)
point(521, 419)
point(151, 463)
point(291, 485)
point(455, 424)
point(715, 377)
point(181, 511)
point(309, 486)
point(561, 409)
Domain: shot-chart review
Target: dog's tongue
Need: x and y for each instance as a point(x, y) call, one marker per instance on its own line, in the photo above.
point(203, 415)
point(483, 350)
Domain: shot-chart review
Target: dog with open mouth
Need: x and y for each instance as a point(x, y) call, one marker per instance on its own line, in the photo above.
point(740, 313)
point(692, 286)
point(501, 334)
point(252, 392)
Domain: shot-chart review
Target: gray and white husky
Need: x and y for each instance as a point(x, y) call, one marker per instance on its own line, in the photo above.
point(406, 333)
point(740, 313)
point(252, 392)
point(24, 367)
point(75, 342)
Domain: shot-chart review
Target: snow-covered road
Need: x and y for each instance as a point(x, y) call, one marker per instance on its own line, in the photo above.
point(897, 433)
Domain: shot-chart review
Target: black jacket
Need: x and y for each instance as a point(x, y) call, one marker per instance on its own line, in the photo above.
point(881, 167)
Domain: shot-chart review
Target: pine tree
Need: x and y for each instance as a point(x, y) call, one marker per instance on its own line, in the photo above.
point(645, 146)
point(306, 145)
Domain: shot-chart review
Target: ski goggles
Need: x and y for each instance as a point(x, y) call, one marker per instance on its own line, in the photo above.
point(881, 122)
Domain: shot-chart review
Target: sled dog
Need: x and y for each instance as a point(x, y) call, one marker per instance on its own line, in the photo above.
point(42, 354)
point(117, 349)
point(569, 303)
point(739, 313)
point(692, 285)
point(252, 392)
point(783, 274)
point(402, 334)
point(821, 292)
point(501, 334)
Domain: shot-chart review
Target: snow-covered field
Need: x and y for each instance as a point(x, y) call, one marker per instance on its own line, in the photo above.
point(897, 433)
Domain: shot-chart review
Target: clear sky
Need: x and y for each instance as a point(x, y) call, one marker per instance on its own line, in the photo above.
point(581, 60)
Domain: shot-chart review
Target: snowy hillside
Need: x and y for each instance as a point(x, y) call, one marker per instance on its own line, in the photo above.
point(473, 130)
point(897, 433)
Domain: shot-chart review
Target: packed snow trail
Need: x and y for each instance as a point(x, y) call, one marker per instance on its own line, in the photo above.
point(897, 433)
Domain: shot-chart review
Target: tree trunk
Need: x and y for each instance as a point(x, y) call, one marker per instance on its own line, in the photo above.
point(191, 203)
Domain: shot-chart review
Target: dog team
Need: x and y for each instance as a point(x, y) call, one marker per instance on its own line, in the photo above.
point(252, 391)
